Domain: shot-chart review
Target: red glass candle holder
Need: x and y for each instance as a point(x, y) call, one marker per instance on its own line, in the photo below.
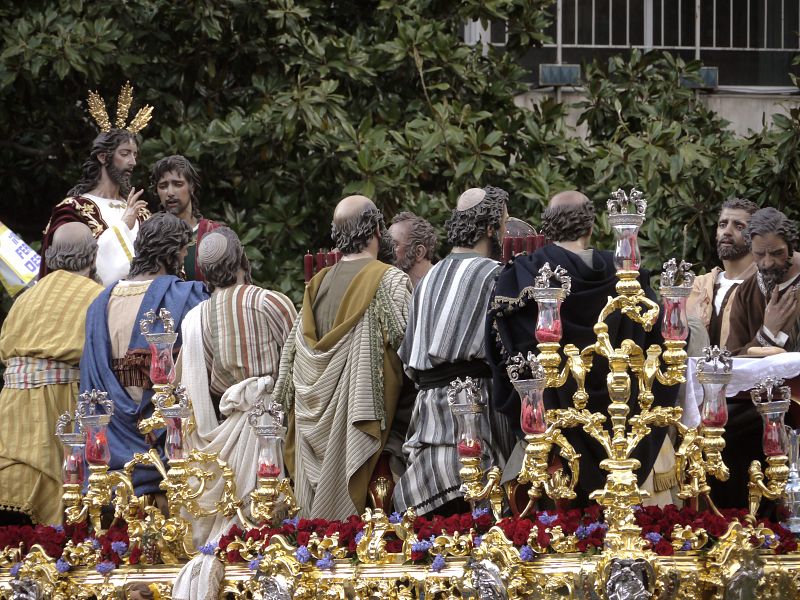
point(548, 319)
point(162, 361)
point(175, 417)
point(626, 248)
point(270, 450)
point(466, 407)
point(772, 411)
point(675, 324)
point(531, 395)
point(72, 468)
point(97, 450)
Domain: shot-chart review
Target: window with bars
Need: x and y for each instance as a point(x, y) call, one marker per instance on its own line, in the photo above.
point(751, 42)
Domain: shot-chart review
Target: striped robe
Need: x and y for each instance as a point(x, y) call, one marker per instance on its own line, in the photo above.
point(244, 330)
point(446, 325)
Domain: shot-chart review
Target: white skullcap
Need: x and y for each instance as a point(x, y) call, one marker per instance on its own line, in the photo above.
point(470, 198)
point(212, 248)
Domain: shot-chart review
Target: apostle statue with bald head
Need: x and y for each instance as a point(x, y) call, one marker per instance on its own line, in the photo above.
point(569, 222)
point(340, 377)
point(40, 345)
point(445, 340)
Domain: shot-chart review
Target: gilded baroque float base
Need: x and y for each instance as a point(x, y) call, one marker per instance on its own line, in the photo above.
point(686, 576)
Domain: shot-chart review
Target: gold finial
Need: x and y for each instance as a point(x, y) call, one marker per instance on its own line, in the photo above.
point(97, 108)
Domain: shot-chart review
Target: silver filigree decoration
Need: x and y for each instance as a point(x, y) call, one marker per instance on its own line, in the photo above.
point(546, 274)
point(519, 366)
point(675, 275)
point(89, 401)
point(146, 323)
point(469, 387)
point(715, 360)
point(767, 390)
point(620, 203)
point(25, 589)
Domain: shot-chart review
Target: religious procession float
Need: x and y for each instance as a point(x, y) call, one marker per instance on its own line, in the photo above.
point(616, 549)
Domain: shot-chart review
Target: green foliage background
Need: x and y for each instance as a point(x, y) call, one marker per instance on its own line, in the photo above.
point(286, 105)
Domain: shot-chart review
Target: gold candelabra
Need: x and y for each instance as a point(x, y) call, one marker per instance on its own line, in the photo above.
point(273, 492)
point(467, 408)
point(771, 483)
point(700, 453)
point(89, 441)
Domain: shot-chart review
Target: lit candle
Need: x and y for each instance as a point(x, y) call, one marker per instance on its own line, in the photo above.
point(97, 451)
point(773, 438)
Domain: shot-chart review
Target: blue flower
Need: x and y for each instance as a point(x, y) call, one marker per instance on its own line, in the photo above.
point(477, 541)
point(105, 567)
point(293, 521)
point(59, 528)
point(302, 554)
point(547, 519)
point(326, 562)
point(359, 535)
point(769, 540)
point(479, 512)
point(95, 543)
point(584, 531)
point(253, 564)
point(686, 546)
point(62, 566)
point(208, 549)
point(526, 553)
point(15, 569)
point(422, 545)
point(395, 518)
point(653, 537)
point(438, 563)
point(119, 547)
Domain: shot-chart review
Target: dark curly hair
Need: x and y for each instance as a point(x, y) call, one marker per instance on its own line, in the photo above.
point(107, 143)
point(178, 164)
point(770, 220)
point(73, 255)
point(223, 271)
point(158, 244)
point(568, 222)
point(353, 234)
point(420, 233)
point(466, 228)
point(735, 203)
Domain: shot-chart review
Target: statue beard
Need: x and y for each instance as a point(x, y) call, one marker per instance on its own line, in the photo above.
point(386, 247)
point(774, 276)
point(495, 248)
point(406, 261)
point(733, 251)
point(120, 177)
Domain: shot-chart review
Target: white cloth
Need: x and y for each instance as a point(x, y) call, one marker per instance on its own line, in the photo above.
point(745, 375)
point(724, 285)
point(115, 244)
point(234, 440)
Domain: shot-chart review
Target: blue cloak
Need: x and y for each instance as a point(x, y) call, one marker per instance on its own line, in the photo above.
point(166, 291)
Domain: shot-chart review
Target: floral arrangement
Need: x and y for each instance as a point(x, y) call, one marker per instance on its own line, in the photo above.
point(581, 530)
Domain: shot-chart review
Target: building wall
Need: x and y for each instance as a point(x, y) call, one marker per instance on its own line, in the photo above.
point(745, 112)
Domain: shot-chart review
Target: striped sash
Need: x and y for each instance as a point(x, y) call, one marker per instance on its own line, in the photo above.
point(24, 372)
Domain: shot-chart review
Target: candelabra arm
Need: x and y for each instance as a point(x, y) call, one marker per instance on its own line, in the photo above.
point(776, 474)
